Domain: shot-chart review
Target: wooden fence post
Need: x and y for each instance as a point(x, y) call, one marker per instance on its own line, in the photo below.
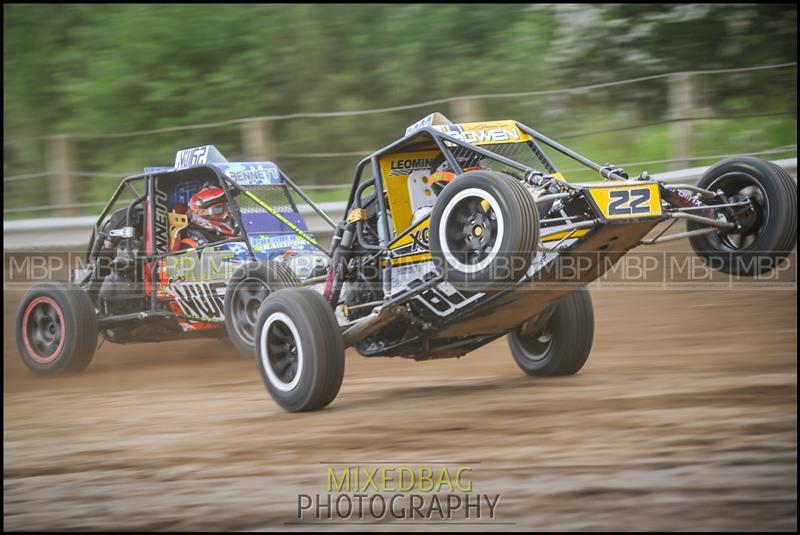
point(61, 189)
point(465, 110)
point(256, 141)
point(681, 107)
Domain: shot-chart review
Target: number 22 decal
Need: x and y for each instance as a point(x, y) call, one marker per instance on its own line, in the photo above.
point(629, 201)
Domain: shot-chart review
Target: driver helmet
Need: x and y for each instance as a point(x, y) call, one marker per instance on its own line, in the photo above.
point(208, 209)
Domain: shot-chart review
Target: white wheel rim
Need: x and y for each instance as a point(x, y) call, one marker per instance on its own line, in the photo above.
point(448, 255)
point(264, 353)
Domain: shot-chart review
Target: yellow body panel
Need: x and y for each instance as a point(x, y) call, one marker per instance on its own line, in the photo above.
point(419, 234)
point(395, 169)
point(628, 201)
point(571, 233)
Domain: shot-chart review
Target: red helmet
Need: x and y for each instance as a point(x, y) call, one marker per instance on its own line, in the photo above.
point(208, 208)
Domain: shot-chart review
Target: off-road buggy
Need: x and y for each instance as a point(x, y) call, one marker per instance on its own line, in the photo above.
point(457, 234)
point(453, 236)
point(137, 285)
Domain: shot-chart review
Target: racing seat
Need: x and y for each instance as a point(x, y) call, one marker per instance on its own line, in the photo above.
point(176, 222)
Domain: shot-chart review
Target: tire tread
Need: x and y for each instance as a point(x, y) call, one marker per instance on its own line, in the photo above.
point(573, 334)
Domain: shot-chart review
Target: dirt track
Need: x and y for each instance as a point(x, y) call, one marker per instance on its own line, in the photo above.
point(664, 429)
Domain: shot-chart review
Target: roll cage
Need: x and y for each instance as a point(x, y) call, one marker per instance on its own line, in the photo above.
point(546, 176)
point(539, 171)
point(151, 255)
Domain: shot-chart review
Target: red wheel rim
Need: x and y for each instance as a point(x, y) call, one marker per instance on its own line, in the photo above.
point(43, 320)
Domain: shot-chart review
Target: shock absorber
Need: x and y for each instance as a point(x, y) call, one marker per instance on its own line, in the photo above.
point(341, 253)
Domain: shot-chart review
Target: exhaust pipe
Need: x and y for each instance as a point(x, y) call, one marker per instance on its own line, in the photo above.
point(377, 320)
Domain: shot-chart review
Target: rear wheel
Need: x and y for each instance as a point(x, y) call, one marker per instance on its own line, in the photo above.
point(766, 229)
point(247, 290)
point(562, 345)
point(299, 350)
point(56, 329)
point(483, 231)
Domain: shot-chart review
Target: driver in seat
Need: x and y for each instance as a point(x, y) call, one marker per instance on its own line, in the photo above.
point(208, 220)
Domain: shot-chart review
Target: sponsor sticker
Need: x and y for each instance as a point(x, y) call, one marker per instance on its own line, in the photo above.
point(628, 201)
point(253, 174)
point(404, 166)
point(265, 242)
point(198, 156)
point(485, 133)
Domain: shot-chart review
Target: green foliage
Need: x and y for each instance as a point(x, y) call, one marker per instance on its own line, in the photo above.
point(107, 68)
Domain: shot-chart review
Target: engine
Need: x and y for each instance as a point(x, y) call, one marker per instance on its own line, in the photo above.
point(118, 266)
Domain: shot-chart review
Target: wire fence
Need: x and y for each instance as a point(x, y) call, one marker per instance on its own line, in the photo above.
point(321, 115)
point(322, 187)
point(789, 149)
point(752, 118)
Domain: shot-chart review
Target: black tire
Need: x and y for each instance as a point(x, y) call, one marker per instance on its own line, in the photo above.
point(299, 349)
point(247, 289)
point(56, 329)
point(478, 248)
point(768, 233)
point(565, 343)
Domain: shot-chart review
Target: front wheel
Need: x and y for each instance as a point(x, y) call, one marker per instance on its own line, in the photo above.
point(56, 329)
point(299, 349)
point(765, 216)
point(560, 346)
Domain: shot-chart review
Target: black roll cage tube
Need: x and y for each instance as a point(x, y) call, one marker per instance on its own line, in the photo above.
point(444, 142)
point(151, 255)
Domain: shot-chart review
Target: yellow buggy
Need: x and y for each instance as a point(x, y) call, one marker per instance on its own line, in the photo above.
point(457, 234)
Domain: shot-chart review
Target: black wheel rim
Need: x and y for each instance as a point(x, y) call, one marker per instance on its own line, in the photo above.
point(43, 330)
point(247, 298)
point(741, 186)
point(282, 351)
point(471, 230)
point(537, 346)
